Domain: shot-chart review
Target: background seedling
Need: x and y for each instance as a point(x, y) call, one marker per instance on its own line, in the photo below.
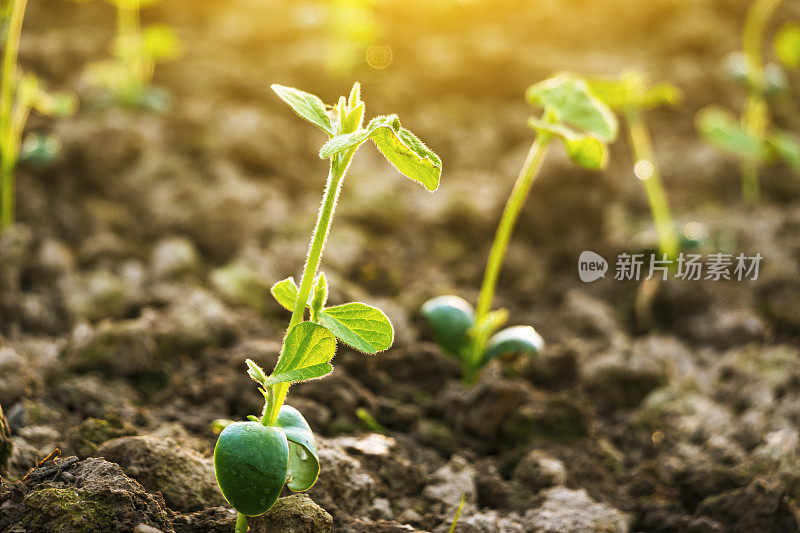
point(352, 27)
point(127, 77)
point(19, 94)
point(253, 460)
point(754, 139)
point(583, 125)
point(630, 96)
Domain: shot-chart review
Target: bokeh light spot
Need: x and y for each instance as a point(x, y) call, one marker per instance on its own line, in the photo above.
point(643, 169)
point(379, 57)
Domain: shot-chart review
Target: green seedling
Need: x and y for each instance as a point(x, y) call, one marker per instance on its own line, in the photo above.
point(753, 138)
point(253, 460)
point(584, 126)
point(128, 75)
point(20, 93)
point(630, 95)
point(352, 27)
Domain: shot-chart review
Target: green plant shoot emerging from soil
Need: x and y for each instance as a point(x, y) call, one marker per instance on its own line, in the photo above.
point(583, 125)
point(19, 94)
point(754, 139)
point(253, 460)
point(136, 50)
point(629, 95)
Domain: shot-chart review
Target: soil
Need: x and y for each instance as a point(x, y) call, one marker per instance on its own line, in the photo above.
point(135, 284)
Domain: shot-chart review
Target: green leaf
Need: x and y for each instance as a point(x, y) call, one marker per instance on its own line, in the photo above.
point(787, 45)
point(361, 326)
point(343, 142)
point(256, 373)
point(306, 105)
point(450, 318)
point(299, 374)
point(410, 156)
point(160, 43)
point(285, 293)
point(661, 95)
point(319, 295)
point(517, 339)
point(307, 344)
point(720, 129)
point(787, 147)
point(303, 457)
point(588, 152)
point(585, 150)
point(399, 146)
point(630, 90)
point(568, 100)
point(490, 323)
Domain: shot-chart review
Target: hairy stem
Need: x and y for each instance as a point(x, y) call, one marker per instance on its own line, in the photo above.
point(338, 169)
point(647, 170)
point(241, 523)
point(519, 194)
point(8, 160)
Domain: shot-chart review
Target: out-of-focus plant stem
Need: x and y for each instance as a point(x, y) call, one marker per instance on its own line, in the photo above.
point(648, 171)
point(8, 151)
point(520, 192)
point(754, 115)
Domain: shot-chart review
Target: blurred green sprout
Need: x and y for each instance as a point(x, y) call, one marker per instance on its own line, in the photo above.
point(253, 460)
point(584, 126)
point(752, 137)
point(631, 95)
point(352, 27)
point(127, 76)
point(21, 93)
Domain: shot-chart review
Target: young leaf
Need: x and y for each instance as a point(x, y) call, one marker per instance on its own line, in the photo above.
point(344, 142)
point(490, 323)
point(320, 294)
point(410, 156)
point(160, 43)
point(303, 458)
point(787, 147)
point(570, 101)
point(585, 150)
point(517, 339)
point(630, 90)
point(299, 374)
point(256, 373)
point(450, 318)
point(306, 105)
point(787, 45)
point(402, 148)
point(308, 344)
point(723, 131)
point(361, 326)
point(285, 293)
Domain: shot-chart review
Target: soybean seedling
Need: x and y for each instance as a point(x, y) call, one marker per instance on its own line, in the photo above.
point(583, 125)
point(128, 75)
point(753, 139)
point(630, 96)
point(19, 94)
point(253, 460)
